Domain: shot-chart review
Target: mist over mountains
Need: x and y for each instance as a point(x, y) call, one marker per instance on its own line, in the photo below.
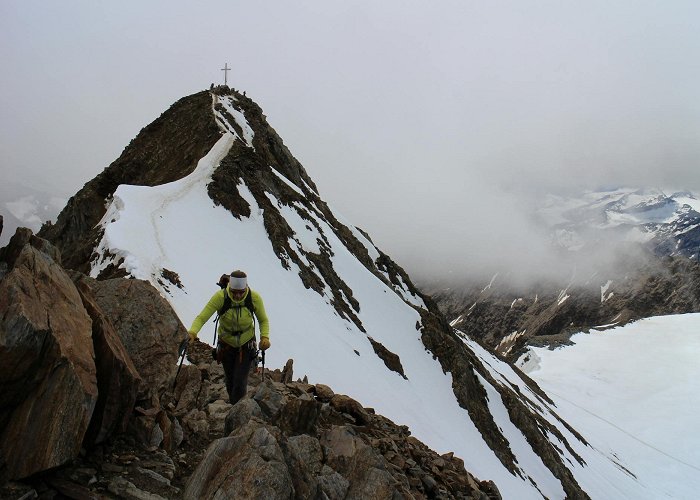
point(22, 205)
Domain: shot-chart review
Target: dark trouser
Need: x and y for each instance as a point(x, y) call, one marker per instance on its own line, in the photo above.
point(237, 364)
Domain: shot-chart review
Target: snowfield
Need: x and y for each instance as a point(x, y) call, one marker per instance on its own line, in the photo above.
point(633, 391)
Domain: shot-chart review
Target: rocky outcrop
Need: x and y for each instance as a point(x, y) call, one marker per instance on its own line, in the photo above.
point(466, 369)
point(285, 440)
point(47, 368)
point(508, 319)
point(67, 346)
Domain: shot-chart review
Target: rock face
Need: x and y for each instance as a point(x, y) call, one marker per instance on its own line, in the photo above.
point(118, 380)
point(285, 440)
point(147, 326)
point(47, 367)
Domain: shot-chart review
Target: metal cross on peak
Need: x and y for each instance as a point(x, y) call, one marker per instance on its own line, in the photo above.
point(225, 69)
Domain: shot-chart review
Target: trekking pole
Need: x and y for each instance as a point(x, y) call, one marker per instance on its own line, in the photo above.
point(182, 350)
point(262, 354)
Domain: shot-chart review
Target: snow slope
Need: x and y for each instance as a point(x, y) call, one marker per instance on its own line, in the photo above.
point(633, 391)
point(177, 227)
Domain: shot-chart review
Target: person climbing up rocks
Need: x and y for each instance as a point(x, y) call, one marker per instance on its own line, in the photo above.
point(237, 306)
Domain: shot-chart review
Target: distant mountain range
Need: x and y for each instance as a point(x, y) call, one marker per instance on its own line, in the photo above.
point(668, 224)
point(649, 242)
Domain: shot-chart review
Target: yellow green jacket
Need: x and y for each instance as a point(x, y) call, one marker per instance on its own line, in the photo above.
point(237, 320)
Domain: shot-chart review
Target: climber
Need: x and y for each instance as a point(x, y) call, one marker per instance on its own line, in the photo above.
point(237, 306)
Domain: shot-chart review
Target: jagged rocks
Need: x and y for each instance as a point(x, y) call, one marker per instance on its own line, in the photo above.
point(47, 367)
point(327, 445)
point(68, 380)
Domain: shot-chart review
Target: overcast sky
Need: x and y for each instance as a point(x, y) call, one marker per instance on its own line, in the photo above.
point(432, 125)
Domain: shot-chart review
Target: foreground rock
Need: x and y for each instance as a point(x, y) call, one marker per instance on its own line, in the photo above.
point(67, 351)
point(296, 440)
point(91, 407)
point(118, 380)
point(148, 327)
point(47, 368)
point(285, 440)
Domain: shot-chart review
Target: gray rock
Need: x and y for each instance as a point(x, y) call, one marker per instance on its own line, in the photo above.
point(152, 482)
point(187, 389)
point(307, 450)
point(332, 484)
point(218, 410)
point(240, 414)
point(269, 398)
point(128, 490)
point(196, 422)
point(305, 460)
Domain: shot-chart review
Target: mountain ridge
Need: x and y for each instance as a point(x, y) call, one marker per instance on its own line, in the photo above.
point(348, 312)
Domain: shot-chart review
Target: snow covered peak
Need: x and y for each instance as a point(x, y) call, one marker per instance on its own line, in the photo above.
point(669, 224)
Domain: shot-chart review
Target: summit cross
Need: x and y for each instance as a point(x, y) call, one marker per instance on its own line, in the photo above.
point(225, 69)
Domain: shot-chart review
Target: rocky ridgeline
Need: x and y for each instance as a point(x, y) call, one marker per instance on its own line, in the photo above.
point(508, 319)
point(91, 407)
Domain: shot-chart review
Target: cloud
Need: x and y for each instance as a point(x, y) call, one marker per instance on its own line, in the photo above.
point(434, 127)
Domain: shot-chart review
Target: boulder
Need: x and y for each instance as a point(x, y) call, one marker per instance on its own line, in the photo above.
point(240, 414)
point(323, 392)
point(269, 398)
point(247, 464)
point(47, 367)
point(305, 461)
point(355, 460)
point(345, 404)
point(299, 416)
point(148, 327)
point(217, 414)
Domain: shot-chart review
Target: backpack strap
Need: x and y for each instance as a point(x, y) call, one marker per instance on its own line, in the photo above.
point(249, 304)
point(227, 304)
